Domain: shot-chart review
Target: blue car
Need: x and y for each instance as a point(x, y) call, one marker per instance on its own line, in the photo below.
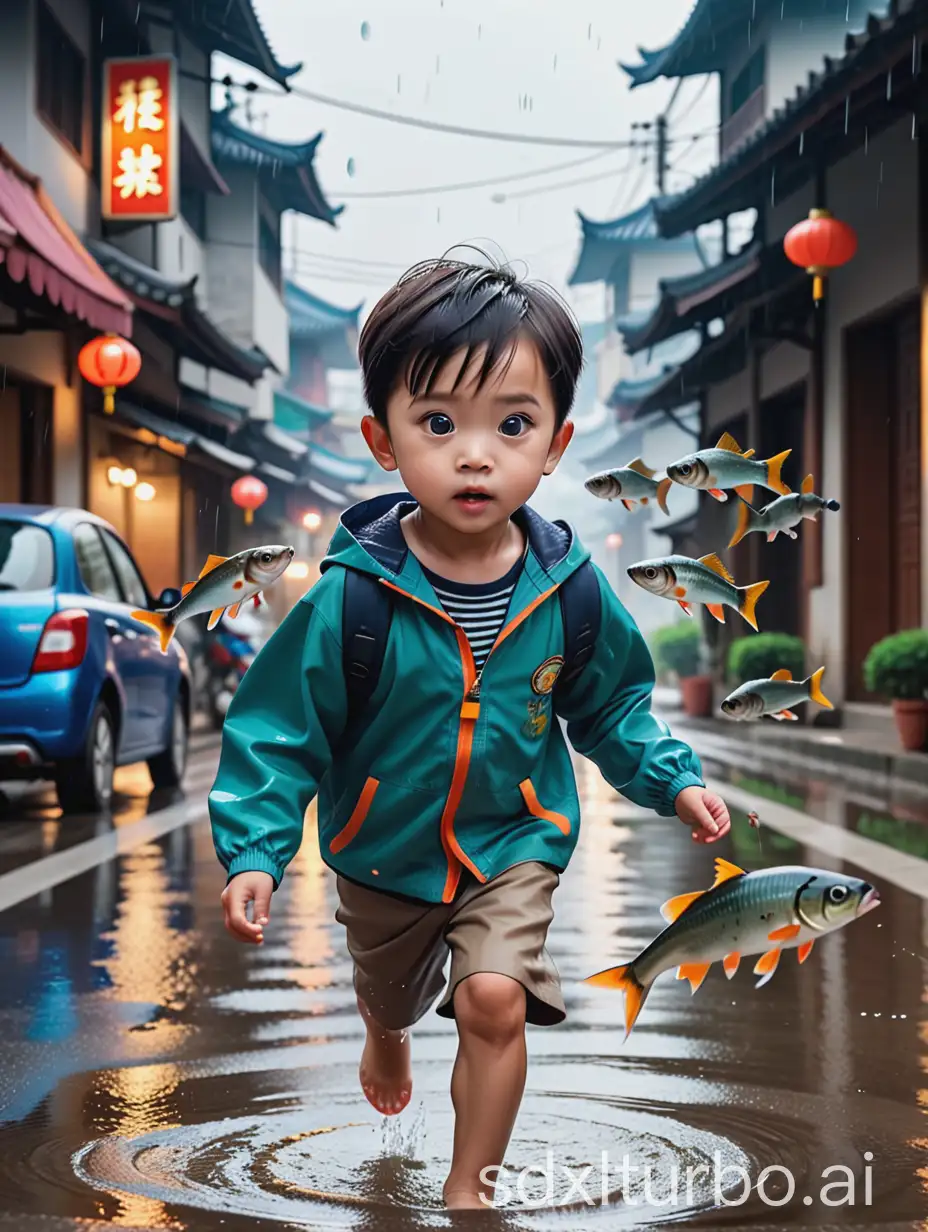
point(83, 687)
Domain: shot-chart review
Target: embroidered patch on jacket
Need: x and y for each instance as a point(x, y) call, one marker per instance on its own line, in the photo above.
point(536, 724)
point(545, 677)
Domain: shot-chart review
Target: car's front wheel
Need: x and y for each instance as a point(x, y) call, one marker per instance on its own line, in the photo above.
point(85, 783)
point(167, 769)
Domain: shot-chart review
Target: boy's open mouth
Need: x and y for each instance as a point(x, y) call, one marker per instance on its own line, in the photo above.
point(473, 498)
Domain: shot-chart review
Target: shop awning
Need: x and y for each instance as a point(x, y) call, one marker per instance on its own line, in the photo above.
point(39, 248)
point(183, 438)
point(328, 465)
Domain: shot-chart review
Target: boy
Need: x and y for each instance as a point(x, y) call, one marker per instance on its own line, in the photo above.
point(450, 811)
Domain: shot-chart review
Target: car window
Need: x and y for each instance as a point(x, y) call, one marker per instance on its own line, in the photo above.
point(27, 557)
point(96, 571)
point(132, 585)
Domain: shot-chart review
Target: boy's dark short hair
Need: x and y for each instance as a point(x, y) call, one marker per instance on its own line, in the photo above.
point(440, 306)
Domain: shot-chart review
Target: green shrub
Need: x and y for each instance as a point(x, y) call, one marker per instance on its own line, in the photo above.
point(677, 648)
point(758, 657)
point(897, 666)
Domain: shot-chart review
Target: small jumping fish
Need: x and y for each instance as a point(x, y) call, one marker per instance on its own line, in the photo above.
point(775, 696)
point(224, 582)
point(632, 484)
point(725, 466)
point(686, 581)
point(781, 515)
point(742, 913)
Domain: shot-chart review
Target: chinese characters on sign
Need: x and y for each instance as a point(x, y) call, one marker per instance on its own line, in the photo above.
point(140, 139)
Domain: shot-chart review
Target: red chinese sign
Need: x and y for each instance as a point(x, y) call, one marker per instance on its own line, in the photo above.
point(140, 139)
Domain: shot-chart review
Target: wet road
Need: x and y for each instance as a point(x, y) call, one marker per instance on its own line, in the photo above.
point(155, 1074)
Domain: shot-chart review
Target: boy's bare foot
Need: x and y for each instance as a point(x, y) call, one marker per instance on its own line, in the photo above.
point(386, 1067)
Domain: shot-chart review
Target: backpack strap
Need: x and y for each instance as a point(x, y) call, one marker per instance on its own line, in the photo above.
point(367, 610)
point(581, 609)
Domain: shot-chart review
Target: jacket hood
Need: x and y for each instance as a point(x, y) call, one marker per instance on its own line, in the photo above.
point(369, 538)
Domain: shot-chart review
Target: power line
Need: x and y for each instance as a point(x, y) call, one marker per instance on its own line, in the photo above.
point(545, 188)
point(443, 188)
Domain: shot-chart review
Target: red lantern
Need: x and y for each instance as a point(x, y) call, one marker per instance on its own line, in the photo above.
point(249, 493)
point(820, 243)
point(109, 362)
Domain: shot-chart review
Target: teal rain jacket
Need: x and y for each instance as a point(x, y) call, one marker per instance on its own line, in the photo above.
point(448, 771)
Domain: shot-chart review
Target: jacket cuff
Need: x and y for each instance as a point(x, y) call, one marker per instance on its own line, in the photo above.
point(674, 787)
point(255, 860)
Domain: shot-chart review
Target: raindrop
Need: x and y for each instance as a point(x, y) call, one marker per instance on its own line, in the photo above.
point(398, 83)
point(889, 84)
point(438, 64)
point(138, 10)
point(350, 166)
point(913, 125)
point(802, 142)
point(866, 139)
point(847, 113)
point(782, 7)
point(589, 33)
point(480, 31)
point(599, 42)
point(773, 186)
point(365, 30)
point(438, 214)
point(555, 62)
point(847, 11)
point(101, 29)
point(914, 54)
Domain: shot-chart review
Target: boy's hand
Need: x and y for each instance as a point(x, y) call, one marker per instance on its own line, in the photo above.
point(705, 811)
point(243, 889)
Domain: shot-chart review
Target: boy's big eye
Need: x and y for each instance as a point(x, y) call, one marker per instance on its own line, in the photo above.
point(512, 426)
point(440, 425)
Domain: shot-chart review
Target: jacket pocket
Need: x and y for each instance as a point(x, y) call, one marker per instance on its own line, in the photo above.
point(537, 810)
point(354, 823)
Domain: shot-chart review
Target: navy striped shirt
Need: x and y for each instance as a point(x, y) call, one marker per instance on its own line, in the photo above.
point(479, 608)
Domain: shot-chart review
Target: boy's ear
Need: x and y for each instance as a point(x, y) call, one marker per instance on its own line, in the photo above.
point(378, 441)
point(558, 445)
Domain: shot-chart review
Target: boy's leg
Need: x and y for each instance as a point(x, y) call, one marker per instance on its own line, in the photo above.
point(398, 954)
point(501, 977)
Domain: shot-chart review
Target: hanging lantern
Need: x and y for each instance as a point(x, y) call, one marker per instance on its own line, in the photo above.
point(820, 243)
point(249, 493)
point(109, 362)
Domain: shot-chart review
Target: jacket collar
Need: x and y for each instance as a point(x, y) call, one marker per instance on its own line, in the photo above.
point(375, 524)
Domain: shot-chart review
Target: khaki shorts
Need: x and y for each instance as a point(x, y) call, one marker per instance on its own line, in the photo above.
point(400, 946)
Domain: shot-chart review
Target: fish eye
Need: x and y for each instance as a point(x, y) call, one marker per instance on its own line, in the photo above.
point(440, 425)
point(266, 558)
point(685, 468)
point(837, 893)
point(650, 572)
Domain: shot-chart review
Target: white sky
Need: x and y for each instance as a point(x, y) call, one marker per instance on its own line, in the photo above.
point(470, 62)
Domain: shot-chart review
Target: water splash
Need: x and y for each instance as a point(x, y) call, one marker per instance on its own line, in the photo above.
point(398, 1138)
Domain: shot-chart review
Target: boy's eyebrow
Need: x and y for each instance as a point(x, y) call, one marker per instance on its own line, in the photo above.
point(504, 399)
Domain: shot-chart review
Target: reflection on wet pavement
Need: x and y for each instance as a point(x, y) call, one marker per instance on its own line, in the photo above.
point(157, 1075)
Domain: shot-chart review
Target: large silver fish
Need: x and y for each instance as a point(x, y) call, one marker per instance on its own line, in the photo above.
point(781, 515)
point(225, 582)
point(725, 466)
point(686, 581)
point(742, 913)
point(775, 696)
point(632, 484)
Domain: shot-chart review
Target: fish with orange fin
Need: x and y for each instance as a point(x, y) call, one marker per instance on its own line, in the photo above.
point(631, 484)
point(775, 696)
point(783, 514)
point(687, 581)
point(725, 466)
point(225, 583)
point(742, 913)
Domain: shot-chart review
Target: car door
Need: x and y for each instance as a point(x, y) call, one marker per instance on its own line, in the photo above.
point(157, 672)
point(106, 604)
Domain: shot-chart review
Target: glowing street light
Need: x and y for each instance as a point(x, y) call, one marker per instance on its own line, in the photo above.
point(614, 541)
point(145, 492)
point(312, 520)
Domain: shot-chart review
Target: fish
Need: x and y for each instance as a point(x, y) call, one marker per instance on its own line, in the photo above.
point(225, 583)
point(775, 696)
point(632, 484)
point(725, 466)
point(706, 580)
point(742, 913)
point(781, 515)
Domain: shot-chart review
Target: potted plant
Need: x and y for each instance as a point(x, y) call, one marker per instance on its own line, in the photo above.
point(759, 656)
point(678, 648)
point(897, 668)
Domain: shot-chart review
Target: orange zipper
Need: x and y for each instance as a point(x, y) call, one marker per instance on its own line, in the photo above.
point(357, 818)
point(470, 710)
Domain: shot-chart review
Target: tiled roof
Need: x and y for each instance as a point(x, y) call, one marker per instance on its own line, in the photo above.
point(627, 393)
point(800, 126)
point(326, 466)
point(287, 169)
point(311, 315)
point(603, 243)
point(234, 28)
point(174, 303)
point(294, 414)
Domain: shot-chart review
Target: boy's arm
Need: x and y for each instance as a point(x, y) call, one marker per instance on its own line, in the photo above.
point(277, 740)
point(609, 719)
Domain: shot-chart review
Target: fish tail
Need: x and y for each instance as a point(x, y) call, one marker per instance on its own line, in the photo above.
point(815, 689)
point(662, 489)
point(774, 466)
point(159, 622)
point(749, 602)
point(745, 523)
point(625, 979)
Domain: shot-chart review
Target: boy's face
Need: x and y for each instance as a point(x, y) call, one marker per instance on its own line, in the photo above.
point(471, 457)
